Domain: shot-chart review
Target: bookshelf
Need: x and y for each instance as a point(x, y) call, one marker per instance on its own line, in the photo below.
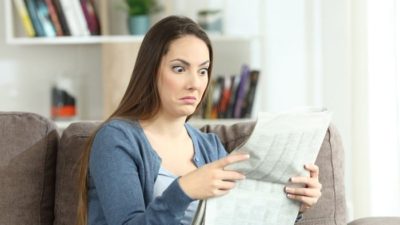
point(72, 40)
point(118, 49)
point(104, 39)
point(15, 34)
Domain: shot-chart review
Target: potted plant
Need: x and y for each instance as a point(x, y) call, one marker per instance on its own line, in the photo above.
point(138, 15)
point(210, 20)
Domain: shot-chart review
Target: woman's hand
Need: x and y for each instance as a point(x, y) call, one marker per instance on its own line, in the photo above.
point(212, 180)
point(310, 193)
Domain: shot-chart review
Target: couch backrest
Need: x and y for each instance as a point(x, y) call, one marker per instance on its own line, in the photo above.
point(28, 147)
point(329, 210)
point(72, 144)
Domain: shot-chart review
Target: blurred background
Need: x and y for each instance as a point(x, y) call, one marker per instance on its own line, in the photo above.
point(343, 55)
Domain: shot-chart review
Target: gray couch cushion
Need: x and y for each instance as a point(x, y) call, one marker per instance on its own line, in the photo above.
point(72, 143)
point(331, 208)
point(27, 169)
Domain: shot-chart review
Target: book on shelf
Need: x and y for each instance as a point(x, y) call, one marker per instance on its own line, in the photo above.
point(233, 89)
point(61, 17)
point(80, 18)
point(251, 94)
point(33, 14)
point(50, 18)
point(68, 8)
point(44, 18)
point(242, 91)
point(54, 17)
point(89, 11)
point(26, 20)
point(225, 97)
point(230, 96)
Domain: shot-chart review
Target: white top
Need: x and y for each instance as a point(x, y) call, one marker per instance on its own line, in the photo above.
point(164, 179)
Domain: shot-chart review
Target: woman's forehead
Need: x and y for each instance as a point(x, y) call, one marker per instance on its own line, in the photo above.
point(188, 46)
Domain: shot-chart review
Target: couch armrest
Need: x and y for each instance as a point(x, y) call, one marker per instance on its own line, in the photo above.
point(376, 221)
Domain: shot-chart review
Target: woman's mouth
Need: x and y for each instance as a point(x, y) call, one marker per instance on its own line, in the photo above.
point(188, 99)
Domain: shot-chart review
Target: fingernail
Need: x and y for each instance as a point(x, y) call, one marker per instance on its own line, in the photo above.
point(289, 195)
point(288, 189)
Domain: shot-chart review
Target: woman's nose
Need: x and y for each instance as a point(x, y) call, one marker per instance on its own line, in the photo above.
point(193, 80)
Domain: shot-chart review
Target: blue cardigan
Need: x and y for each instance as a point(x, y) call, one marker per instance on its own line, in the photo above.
point(123, 168)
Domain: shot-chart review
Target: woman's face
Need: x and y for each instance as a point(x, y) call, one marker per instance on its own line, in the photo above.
point(183, 76)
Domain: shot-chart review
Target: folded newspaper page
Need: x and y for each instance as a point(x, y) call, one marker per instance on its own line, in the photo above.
point(279, 147)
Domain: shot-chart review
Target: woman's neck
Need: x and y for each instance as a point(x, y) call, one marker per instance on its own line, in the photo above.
point(161, 125)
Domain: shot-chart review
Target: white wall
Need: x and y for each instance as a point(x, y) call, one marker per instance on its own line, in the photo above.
point(383, 88)
point(360, 163)
point(337, 79)
point(284, 63)
point(308, 62)
point(346, 52)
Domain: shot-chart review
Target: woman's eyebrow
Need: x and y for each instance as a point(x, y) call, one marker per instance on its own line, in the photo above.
point(188, 64)
point(204, 63)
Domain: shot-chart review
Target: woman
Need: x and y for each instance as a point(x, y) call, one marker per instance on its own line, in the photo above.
point(145, 165)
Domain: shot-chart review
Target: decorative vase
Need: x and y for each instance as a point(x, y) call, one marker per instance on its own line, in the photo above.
point(138, 25)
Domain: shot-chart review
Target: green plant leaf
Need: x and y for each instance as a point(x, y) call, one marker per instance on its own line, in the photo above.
point(141, 7)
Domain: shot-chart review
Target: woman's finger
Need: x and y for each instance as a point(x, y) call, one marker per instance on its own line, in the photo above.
point(225, 185)
point(230, 159)
point(309, 201)
point(230, 175)
point(314, 170)
point(309, 182)
point(220, 192)
point(309, 192)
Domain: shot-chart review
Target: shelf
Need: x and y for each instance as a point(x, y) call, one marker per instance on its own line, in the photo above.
point(69, 40)
point(73, 40)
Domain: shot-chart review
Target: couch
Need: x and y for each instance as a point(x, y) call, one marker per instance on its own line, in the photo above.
point(38, 171)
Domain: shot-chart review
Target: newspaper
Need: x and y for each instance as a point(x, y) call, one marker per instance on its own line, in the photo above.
point(279, 146)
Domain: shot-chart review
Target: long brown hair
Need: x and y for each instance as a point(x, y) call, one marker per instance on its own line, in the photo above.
point(141, 99)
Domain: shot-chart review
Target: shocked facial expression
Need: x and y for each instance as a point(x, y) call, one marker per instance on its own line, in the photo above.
point(183, 76)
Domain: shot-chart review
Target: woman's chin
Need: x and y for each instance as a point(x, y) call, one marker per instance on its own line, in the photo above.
point(187, 112)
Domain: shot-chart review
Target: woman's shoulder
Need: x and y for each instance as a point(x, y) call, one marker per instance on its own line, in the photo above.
point(122, 122)
point(119, 127)
point(122, 134)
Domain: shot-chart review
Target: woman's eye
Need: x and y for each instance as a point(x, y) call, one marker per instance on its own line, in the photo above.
point(178, 69)
point(204, 71)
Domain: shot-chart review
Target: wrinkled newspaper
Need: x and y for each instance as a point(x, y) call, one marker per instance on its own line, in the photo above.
point(279, 146)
